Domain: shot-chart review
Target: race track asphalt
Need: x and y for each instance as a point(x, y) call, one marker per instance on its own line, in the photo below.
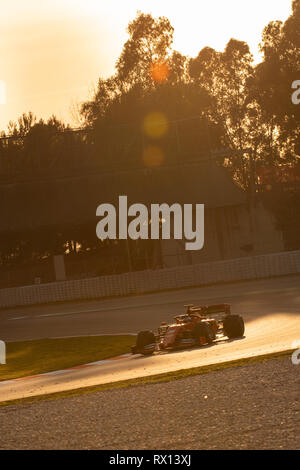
point(270, 308)
point(132, 314)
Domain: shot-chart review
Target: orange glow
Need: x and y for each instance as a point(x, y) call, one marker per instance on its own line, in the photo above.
point(52, 52)
point(155, 125)
point(153, 156)
point(159, 72)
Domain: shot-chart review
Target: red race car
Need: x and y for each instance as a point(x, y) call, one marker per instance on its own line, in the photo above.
point(198, 326)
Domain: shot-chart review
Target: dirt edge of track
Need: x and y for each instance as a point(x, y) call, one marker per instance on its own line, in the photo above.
point(152, 379)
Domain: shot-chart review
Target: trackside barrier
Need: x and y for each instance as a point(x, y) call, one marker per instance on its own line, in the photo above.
point(255, 267)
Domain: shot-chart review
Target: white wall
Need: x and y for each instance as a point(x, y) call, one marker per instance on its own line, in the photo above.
point(255, 267)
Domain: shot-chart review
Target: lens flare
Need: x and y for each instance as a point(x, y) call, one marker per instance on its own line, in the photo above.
point(155, 125)
point(159, 72)
point(153, 156)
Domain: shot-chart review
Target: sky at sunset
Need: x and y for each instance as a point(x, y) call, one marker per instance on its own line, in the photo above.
point(53, 51)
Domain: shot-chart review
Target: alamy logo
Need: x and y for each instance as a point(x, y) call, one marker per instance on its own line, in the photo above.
point(296, 354)
point(159, 220)
point(2, 353)
point(296, 94)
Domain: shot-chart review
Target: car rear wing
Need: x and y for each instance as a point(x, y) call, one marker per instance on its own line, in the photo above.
point(207, 310)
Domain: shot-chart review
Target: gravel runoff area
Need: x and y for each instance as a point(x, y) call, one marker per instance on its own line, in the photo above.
point(256, 406)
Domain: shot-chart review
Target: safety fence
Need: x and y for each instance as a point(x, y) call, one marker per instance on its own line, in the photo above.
point(140, 282)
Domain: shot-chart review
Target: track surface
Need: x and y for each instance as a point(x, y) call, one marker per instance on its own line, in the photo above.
point(132, 314)
point(270, 308)
point(252, 407)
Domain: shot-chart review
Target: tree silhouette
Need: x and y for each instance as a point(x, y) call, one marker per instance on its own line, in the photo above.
point(214, 101)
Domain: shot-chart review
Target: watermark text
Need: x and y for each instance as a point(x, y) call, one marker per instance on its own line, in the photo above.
point(173, 221)
point(2, 352)
point(296, 353)
point(296, 93)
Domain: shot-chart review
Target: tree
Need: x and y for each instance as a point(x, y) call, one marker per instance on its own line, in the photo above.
point(23, 125)
point(107, 91)
point(225, 77)
point(149, 43)
point(142, 65)
point(272, 86)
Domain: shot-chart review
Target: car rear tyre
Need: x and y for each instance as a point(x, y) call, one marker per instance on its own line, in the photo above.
point(233, 326)
point(145, 342)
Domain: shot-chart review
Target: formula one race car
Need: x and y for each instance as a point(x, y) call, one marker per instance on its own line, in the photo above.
point(198, 326)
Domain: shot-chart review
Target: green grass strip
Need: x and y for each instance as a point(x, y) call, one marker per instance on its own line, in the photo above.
point(25, 358)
